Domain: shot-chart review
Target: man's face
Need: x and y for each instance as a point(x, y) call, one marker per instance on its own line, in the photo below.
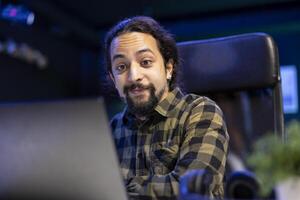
point(139, 72)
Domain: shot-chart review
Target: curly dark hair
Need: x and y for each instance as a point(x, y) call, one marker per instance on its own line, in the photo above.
point(143, 24)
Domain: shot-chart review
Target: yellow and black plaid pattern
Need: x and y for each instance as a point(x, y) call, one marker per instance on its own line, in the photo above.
point(183, 133)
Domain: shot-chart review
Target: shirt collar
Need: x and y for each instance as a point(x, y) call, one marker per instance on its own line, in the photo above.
point(166, 106)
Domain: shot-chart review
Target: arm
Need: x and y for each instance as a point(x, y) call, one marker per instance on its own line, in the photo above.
point(204, 147)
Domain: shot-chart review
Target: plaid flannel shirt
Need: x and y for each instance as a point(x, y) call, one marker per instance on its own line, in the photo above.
point(183, 133)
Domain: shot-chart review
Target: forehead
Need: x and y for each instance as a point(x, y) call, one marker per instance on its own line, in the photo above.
point(133, 41)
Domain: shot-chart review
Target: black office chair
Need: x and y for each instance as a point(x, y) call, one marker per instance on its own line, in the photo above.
point(241, 73)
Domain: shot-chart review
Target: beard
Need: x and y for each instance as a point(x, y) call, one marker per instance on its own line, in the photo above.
point(139, 107)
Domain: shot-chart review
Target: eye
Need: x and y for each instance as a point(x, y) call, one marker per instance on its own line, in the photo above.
point(146, 63)
point(120, 68)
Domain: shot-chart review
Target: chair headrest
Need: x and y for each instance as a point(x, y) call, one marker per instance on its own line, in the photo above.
point(238, 62)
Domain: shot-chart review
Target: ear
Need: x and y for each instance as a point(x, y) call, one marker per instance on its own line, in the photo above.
point(169, 69)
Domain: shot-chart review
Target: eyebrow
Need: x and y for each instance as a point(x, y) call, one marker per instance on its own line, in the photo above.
point(118, 56)
point(144, 50)
point(137, 53)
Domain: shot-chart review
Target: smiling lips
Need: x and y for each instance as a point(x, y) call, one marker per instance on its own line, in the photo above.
point(137, 91)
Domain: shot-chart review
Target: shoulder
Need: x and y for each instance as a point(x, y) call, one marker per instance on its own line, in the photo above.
point(204, 114)
point(197, 104)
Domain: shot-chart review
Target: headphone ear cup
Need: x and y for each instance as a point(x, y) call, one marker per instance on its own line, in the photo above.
point(242, 185)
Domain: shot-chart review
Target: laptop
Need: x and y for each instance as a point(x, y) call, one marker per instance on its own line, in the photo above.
point(58, 150)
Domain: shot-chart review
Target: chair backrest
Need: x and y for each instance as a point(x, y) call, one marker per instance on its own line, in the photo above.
point(241, 73)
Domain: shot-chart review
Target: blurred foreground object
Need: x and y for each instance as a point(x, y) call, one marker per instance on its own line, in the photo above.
point(275, 161)
point(195, 185)
point(242, 185)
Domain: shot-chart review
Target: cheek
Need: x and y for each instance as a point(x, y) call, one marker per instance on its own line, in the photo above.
point(162, 76)
point(159, 81)
point(119, 84)
point(120, 89)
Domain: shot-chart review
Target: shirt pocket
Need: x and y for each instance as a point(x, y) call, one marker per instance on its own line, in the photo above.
point(164, 157)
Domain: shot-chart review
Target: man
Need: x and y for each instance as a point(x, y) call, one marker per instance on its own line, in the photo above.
point(161, 134)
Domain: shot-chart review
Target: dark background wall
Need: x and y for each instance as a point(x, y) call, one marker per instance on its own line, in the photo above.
point(70, 34)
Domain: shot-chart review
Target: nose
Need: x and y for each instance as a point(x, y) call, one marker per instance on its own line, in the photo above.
point(135, 73)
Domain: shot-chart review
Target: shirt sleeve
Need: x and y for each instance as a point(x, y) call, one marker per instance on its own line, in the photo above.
point(204, 146)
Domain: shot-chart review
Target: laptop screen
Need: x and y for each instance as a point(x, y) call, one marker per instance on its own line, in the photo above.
point(58, 150)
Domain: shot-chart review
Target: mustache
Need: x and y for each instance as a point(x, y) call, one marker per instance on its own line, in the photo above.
point(134, 86)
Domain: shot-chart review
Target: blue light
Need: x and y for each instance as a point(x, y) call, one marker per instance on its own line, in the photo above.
point(289, 85)
point(17, 13)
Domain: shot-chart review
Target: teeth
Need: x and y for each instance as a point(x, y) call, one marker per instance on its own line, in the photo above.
point(137, 88)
